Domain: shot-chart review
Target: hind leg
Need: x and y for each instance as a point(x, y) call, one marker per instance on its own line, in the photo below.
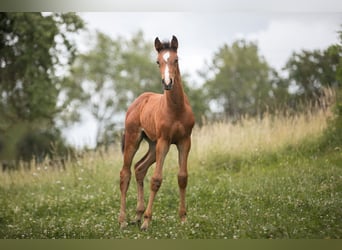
point(132, 142)
point(162, 148)
point(140, 172)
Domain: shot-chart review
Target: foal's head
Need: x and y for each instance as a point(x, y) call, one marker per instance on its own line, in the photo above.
point(167, 60)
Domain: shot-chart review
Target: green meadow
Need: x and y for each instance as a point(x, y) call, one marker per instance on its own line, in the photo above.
point(272, 178)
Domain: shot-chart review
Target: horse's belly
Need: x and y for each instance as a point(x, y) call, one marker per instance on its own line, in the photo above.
point(149, 127)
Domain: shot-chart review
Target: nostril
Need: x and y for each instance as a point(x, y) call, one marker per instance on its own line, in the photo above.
point(167, 86)
point(168, 82)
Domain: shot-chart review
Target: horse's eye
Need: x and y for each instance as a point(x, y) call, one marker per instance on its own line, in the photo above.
point(176, 60)
point(157, 62)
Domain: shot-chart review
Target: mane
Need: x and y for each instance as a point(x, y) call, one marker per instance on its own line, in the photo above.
point(167, 46)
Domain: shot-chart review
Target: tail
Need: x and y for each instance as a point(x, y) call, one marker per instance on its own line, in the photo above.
point(123, 142)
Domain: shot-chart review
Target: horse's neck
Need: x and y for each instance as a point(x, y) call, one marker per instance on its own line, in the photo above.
point(175, 98)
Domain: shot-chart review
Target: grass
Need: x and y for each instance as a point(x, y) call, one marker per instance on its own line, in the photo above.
point(257, 179)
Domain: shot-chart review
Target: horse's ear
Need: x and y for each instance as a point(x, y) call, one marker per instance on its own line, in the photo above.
point(174, 43)
point(158, 45)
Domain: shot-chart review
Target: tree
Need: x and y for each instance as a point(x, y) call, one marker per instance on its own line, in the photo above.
point(240, 81)
point(33, 47)
point(312, 72)
point(198, 100)
point(333, 134)
point(109, 77)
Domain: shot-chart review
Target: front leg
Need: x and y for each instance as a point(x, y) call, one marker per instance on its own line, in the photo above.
point(183, 152)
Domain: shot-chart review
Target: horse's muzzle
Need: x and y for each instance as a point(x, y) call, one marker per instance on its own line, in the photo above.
point(167, 86)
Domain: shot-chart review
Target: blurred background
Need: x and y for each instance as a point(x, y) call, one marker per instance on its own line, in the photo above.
point(66, 79)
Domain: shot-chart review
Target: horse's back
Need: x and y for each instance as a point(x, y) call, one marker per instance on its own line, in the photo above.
point(142, 105)
point(147, 98)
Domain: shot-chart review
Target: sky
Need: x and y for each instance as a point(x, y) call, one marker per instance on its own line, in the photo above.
point(200, 34)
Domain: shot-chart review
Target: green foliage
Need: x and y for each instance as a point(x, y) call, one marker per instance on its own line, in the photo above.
point(24, 69)
point(333, 135)
point(311, 73)
point(29, 58)
point(33, 47)
point(108, 77)
point(23, 145)
point(240, 81)
point(314, 72)
point(198, 101)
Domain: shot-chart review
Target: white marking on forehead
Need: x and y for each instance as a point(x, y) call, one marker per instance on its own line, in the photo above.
point(167, 75)
point(166, 56)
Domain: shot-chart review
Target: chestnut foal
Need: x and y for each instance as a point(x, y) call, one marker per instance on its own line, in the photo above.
point(162, 120)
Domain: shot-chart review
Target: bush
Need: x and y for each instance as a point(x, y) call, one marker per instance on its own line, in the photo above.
point(332, 138)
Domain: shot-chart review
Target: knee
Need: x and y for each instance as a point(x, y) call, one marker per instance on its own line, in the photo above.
point(156, 183)
point(125, 174)
point(182, 180)
point(125, 177)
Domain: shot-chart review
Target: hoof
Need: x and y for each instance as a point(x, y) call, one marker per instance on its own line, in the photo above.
point(144, 226)
point(183, 219)
point(123, 225)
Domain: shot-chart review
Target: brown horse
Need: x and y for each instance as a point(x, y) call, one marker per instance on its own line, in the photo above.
point(162, 120)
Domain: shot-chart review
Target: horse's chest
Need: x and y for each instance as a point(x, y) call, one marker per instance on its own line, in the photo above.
point(177, 128)
point(178, 131)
